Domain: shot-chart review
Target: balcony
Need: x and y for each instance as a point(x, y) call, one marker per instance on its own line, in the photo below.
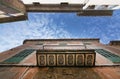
point(65, 57)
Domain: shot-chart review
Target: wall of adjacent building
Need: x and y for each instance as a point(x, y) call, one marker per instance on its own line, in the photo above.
point(17, 4)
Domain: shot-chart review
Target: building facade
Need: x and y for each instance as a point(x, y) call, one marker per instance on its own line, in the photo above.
point(60, 59)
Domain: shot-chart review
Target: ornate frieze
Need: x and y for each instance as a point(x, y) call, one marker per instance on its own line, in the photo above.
point(66, 58)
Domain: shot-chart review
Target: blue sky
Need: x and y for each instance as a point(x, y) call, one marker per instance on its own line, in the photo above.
point(59, 25)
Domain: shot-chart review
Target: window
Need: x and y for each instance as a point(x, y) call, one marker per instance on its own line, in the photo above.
point(113, 57)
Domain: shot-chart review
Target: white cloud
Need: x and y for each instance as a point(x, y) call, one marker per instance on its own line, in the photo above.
point(38, 26)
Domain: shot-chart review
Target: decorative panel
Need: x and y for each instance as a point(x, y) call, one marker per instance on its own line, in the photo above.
point(79, 59)
point(60, 59)
point(51, 60)
point(70, 59)
point(89, 61)
point(42, 60)
point(66, 58)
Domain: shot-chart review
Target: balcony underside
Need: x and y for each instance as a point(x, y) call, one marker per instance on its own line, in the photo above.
point(67, 8)
point(13, 19)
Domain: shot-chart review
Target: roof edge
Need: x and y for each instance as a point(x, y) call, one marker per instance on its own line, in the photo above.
point(62, 39)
